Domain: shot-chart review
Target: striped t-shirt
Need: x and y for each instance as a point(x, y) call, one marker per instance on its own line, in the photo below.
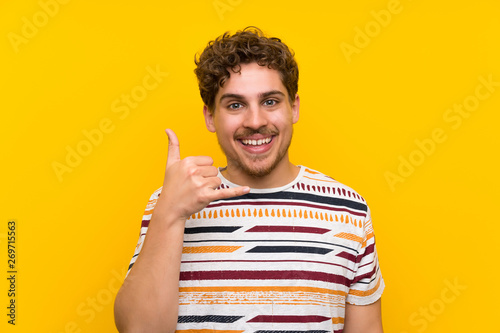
point(274, 260)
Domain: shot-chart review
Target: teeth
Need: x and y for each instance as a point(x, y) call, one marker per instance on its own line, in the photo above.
point(256, 142)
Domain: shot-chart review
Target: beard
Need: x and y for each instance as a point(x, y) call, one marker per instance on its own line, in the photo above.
point(253, 167)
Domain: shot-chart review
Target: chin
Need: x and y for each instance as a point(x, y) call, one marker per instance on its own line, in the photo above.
point(258, 172)
point(257, 168)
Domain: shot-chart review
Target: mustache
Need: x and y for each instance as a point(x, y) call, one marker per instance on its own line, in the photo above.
point(249, 132)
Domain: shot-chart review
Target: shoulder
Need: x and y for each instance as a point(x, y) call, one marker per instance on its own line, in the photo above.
point(156, 194)
point(318, 183)
point(152, 202)
point(322, 181)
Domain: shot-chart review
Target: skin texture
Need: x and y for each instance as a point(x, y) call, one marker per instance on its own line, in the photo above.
point(363, 318)
point(252, 105)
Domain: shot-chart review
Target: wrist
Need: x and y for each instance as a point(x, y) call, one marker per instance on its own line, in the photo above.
point(167, 210)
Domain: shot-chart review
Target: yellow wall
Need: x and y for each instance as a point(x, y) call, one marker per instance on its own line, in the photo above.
point(380, 84)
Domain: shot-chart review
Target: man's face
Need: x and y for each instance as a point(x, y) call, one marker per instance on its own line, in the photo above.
point(253, 120)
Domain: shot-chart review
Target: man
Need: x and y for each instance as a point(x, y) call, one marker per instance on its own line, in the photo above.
point(261, 245)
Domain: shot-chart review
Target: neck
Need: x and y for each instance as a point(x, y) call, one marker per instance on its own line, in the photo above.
point(281, 175)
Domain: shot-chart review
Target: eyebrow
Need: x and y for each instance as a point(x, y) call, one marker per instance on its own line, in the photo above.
point(261, 95)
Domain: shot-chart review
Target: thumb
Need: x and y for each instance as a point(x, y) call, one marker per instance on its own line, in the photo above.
point(174, 153)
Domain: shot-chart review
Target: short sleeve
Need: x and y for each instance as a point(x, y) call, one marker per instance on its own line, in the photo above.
point(144, 226)
point(368, 284)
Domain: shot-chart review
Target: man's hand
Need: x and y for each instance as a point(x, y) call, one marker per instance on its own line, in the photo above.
point(148, 299)
point(191, 183)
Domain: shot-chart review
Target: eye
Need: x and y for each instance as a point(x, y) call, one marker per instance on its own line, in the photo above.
point(270, 102)
point(234, 106)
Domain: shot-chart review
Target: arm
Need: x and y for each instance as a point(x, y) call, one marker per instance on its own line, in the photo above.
point(148, 299)
point(363, 306)
point(363, 318)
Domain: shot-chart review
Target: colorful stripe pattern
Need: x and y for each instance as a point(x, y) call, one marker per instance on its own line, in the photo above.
point(282, 260)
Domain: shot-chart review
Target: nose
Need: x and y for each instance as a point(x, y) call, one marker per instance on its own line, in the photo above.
point(255, 117)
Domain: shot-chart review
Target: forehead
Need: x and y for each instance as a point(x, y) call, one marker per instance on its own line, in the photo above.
point(252, 81)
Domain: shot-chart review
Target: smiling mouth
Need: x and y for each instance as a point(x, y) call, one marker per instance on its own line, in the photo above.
point(256, 143)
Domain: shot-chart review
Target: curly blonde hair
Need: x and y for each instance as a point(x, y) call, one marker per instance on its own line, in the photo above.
point(245, 46)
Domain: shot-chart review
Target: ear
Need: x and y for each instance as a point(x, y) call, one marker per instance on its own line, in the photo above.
point(209, 119)
point(295, 109)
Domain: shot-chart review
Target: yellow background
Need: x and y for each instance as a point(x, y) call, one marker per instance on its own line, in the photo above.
point(360, 116)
